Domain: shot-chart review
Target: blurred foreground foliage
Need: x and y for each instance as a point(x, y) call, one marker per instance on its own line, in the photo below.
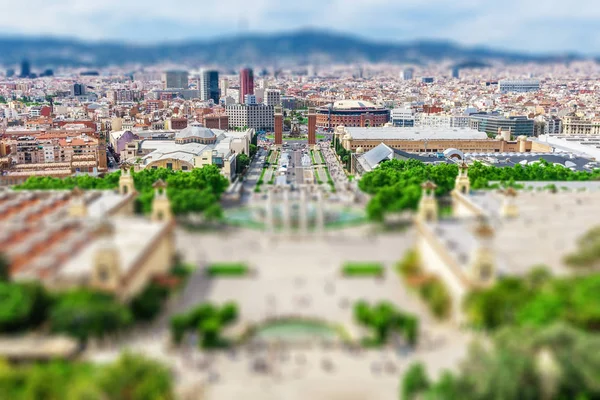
point(131, 377)
point(395, 184)
point(198, 190)
point(537, 299)
point(555, 362)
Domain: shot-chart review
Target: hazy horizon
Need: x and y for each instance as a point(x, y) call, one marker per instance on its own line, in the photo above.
point(519, 25)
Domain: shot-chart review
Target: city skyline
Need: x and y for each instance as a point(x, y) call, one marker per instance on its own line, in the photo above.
point(516, 25)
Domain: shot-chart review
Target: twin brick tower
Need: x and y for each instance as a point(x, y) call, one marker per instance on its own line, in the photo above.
point(312, 126)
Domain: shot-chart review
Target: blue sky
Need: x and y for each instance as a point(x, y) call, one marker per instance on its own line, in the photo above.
point(529, 25)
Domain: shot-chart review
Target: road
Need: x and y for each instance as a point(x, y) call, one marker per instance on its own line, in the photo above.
point(253, 174)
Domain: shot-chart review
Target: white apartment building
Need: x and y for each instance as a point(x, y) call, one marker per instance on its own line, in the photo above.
point(577, 126)
point(518, 86)
point(255, 116)
point(272, 97)
point(442, 120)
point(402, 116)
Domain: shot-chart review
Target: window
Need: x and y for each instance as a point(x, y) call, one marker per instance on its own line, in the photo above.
point(184, 168)
point(169, 165)
point(103, 273)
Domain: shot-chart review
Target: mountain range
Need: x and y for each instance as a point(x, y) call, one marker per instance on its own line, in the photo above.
point(292, 48)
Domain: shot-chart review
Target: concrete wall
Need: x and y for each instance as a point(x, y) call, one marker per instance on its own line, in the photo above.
point(435, 260)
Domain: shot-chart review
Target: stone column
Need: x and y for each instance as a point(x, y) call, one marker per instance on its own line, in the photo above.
point(303, 213)
point(269, 219)
point(286, 211)
point(320, 217)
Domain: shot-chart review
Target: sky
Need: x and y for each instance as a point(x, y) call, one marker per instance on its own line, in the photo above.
point(524, 25)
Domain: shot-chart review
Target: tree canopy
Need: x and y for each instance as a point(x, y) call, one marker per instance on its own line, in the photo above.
point(395, 184)
point(197, 190)
point(556, 362)
point(131, 377)
point(535, 301)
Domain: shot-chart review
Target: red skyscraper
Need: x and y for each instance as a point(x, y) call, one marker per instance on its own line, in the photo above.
point(246, 83)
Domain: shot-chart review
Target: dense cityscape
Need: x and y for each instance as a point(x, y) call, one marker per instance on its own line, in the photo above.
point(368, 230)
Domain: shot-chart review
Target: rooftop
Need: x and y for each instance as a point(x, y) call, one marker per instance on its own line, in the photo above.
point(415, 133)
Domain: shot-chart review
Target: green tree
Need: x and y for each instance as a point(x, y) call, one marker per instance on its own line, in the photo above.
point(22, 306)
point(414, 382)
point(83, 314)
point(134, 377)
point(147, 304)
point(242, 162)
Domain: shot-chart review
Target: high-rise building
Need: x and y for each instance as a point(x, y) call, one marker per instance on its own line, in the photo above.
point(257, 116)
point(25, 69)
point(78, 89)
point(249, 99)
point(175, 80)
point(272, 97)
point(209, 86)
point(246, 83)
point(455, 72)
point(10, 73)
point(407, 74)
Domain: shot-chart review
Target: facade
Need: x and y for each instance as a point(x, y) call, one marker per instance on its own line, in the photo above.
point(209, 86)
point(492, 124)
point(246, 83)
point(407, 74)
point(578, 126)
point(257, 116)
point(501, 233)
point(193, 147)
point(85, 239)
point(403, 117)
point(442, 120)
point(430, 140)
point(78, 89)
point(272, 97)
point(175, 80)
point(351, 113)
point(427, 79)
point(518, 86)
point(215, 121)
point(288, 102)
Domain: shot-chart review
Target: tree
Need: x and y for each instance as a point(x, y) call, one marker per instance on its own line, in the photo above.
point(84, 313)
point(22, 306)
point(253, 150)
point(134, 377)
point(147, 304)
point(242, 162)
point(414, 382)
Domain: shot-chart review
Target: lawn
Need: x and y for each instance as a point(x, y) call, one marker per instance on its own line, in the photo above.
point(360, 269)
point(227, 269)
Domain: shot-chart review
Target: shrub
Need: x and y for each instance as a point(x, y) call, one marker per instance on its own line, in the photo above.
point(436, 295)
point(227, 269)
point(362, 269)
point(414, 382)
point(409, 266)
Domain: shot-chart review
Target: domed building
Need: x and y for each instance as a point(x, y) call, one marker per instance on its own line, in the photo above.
point(352, 113)
point(196, 133)
point(195, 147)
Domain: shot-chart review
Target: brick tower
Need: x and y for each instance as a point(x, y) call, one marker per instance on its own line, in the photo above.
point(312, 126)
point(278, 126)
